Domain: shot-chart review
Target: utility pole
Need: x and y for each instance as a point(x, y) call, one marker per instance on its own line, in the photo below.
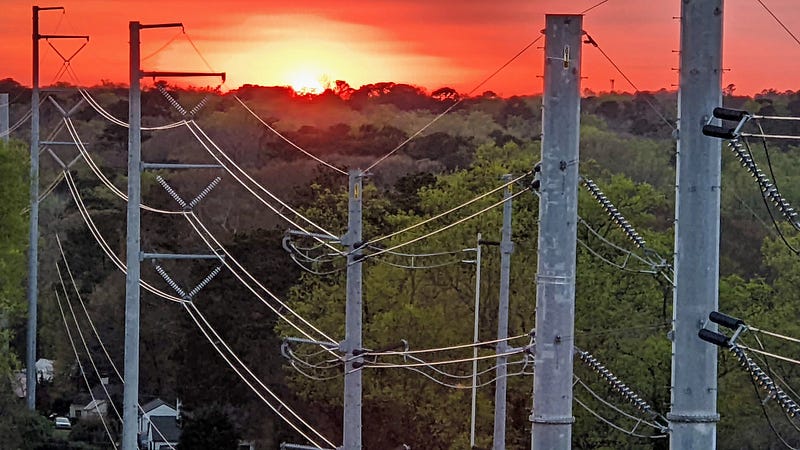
point(353, 320)
point(475, 340)
point(134, 255)
point(558, 210)
point(506, 249)
point(4, 124)
point(693, 415)
point(33, 248)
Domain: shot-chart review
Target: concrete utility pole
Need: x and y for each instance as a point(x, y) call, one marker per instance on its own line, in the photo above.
point(353, 320)
point(558, 215)
point(475, 340)
point(134, 254)
point(693, 415)
point(130, 393)
point(4, 124)
point(506, 249)
point(33, 249)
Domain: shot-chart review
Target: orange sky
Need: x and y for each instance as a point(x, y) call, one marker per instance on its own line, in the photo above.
point(454, 43)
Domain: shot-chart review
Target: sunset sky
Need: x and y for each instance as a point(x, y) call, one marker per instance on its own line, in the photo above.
point(456, 43)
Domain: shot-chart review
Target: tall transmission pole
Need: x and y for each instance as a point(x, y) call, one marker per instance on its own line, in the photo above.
point(353, 319)
point(134, 254)
point(33, 249)
point(558, 215)
point(506, 249)
point(693, 415)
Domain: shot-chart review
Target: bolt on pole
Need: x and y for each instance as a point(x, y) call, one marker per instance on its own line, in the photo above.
point(693, 416)
point(506, 249)
point(353, 315)
point(558, 215)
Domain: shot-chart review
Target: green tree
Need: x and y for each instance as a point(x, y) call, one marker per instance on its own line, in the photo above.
point(208, 428)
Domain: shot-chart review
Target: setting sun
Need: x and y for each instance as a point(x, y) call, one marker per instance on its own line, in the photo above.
point(306, 83)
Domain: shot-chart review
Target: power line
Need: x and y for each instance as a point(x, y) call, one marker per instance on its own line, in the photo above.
point(83, 340)
point(218, 249)
point(287, 140)
point(449, 211)
point(195, 129)
point(451, 107)
point(189, 306)
point(83, 374)
point(96, 334)
point(444, 228)
point(593, 7)
point(779, 22)
point(590, 40)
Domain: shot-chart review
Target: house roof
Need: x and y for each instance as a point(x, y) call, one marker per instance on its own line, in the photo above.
point(94, 404)
point(168, 426)
point(113, 390)
point(153, 404)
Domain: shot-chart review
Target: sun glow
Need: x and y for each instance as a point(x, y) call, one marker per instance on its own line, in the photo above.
point(305, 83)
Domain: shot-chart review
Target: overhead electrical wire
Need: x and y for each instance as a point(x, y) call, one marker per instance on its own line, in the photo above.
point(83, 340)
point(235, 267)
point(87, 218)
point(104, 245)
point(439, 230)
point(183, 302)
point(96, 334)
point(451, 107)
point(593, 7)
point(287, 140)
point(590, 40)
point(378, 365)
point(205, 327)
point(83, 373)
point(449, 211)
point(206, 142)
point(780, 22)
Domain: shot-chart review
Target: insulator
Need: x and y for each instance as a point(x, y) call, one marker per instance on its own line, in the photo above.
point(170, 191)
point(734, 115)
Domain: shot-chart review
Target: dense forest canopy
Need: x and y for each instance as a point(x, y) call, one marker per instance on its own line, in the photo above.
point(627, 147)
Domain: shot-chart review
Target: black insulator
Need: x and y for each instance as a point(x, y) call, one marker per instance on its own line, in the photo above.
point(714, 337)
point(725, 320)
point(730, 114)
point(719, 132)
point(535, 185)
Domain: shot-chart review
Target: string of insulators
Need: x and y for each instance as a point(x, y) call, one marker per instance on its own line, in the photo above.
point(617, 385)
point(170, 191)
point(172, 100)
point(200, 105)
point(205, 192)
point(768, 189)
point(205, 281)
point(171, 282)
point(762, 379)
point(612, 211)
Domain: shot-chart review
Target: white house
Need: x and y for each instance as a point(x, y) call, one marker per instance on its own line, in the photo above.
point(158, 425)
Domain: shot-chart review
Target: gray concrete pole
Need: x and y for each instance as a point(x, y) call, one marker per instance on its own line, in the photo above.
point(353, 320)
point(506, 249)
point(33, 237)
point(693, 415)
point(133, 252)
point(4, 124)
point(475, 340)
point(558, 210)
